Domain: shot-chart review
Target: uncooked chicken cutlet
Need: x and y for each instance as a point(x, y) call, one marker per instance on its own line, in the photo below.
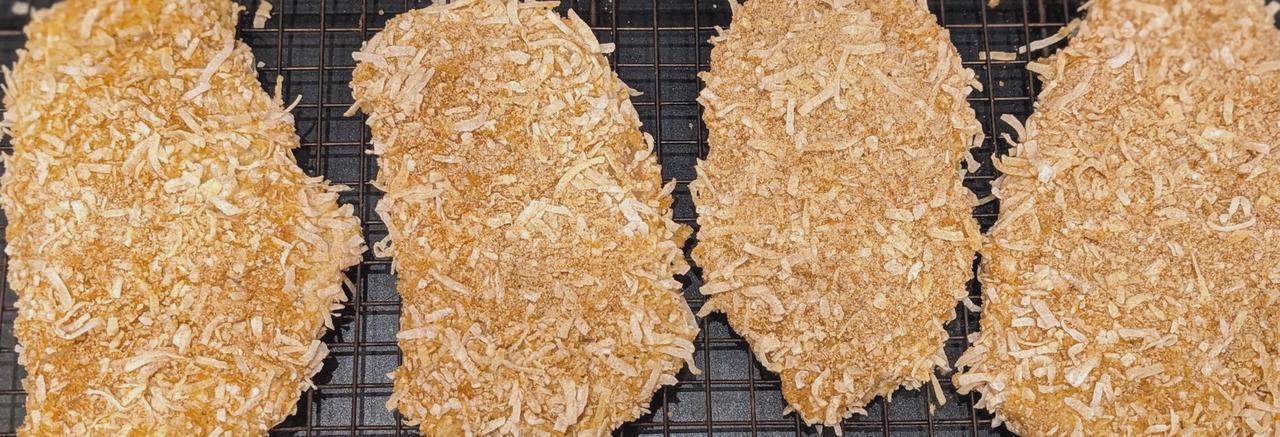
point(528, 224)
point(173, 265)
point(1132, 281)
point(835, 232)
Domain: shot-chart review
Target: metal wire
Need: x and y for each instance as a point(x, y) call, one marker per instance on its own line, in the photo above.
point(660, 48)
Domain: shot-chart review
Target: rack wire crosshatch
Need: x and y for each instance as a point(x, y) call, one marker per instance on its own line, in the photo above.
point(661, 46)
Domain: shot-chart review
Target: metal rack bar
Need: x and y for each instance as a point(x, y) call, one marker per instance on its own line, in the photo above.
point(1053, 26)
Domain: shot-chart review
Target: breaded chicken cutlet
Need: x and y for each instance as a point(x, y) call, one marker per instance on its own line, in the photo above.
point(528, 224)
point(174, 267)
point(1132, 281)
point(835, 232)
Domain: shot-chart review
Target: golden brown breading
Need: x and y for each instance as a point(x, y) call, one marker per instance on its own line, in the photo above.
point(174, 267)
point(528, 223)
point(835, 232)
point(1132, 280)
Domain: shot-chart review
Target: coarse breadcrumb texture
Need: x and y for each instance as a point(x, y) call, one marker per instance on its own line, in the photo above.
point(835, 232)
point(1131, 283)
point(173, 265)
point(528, 223)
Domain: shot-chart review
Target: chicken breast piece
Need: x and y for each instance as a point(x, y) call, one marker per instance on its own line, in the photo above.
point(174, 267)
point(835, 232)
point(528, 223)
point(1132, 280)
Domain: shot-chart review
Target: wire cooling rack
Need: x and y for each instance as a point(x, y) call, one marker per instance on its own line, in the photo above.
point(661, 45)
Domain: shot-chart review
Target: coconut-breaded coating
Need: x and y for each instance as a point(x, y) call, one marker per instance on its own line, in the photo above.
point(174, 267)
point(1131, 282)
point(528, 224)
point(835, 232)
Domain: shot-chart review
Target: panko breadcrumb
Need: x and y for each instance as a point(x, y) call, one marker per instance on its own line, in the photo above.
point(1132, 282)
point(528, 224)
point(174, 267)
point(835, 232)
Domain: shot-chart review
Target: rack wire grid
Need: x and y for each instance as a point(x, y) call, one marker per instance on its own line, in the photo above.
point(661, 46)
